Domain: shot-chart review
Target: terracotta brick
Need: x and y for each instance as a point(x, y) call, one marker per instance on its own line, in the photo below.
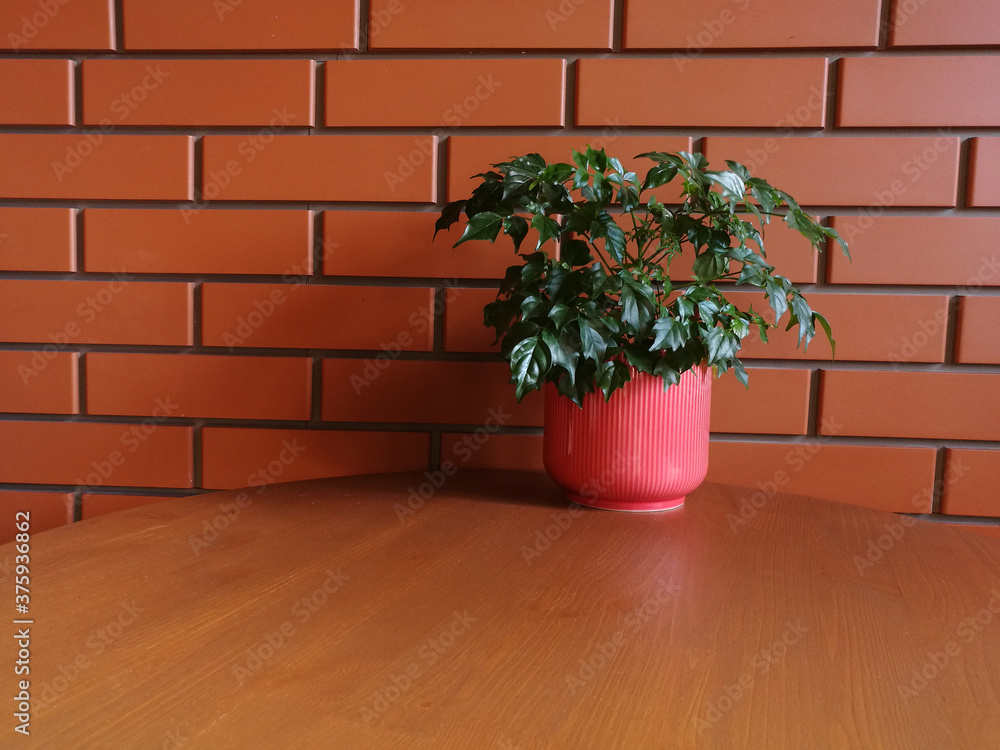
point(198, 92)
point(256, 458)
point(95, 312)
point(404, 245)
point(47, 510)
point(464, 330)
point(728, 24)
point(969, 485)
point(90, 454)
point(918, 91)
point(854, 171)
point(94, 505)
point(480, 24)
point(469, 155)
point(944, 22)
point(36, 92)
point(445, 93)
point(43, 382)
point(940, 405)
point(356, 390)
point(320, 168)
point(96, 165)
point(885, 478)
point(179, 385)
point(911, 328)
point(777, 402)
point(483, 451)
point(31, 25)
point(977, 336)
point(245, 25)
point(716, 92)
point(984, 172)
point(184, 241)
point(37, 239)
point(926, 250)
point(318, 317)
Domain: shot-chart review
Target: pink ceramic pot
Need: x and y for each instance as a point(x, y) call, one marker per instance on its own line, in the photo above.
point(643, 450)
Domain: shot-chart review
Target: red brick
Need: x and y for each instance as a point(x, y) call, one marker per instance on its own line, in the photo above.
point(977, 334)
point(425, 392)
point(911, 328)
point(885, 478)
point(36, 92)
point(255, 458)
point(190, 385)
point(984, 172)
point(716, 92)
point(43, 382)
point(37, 239)
point(308, 316)
point(480, 24)
point(64, 24)
point(91, 454)
point(95, 312)
point(853, 171)
point(944, 22)
point(198, 92)
point(244, 25)
point(918, 91)
point(132, 167)
point(320, 168)
point(445, 93)
point(930, 250)
point(938, 405)
point(99, 505)
point(970, 482)
point(404, 246)
point(508, 452)
point(728, 24)
point(47, 510)
point(777, 402)
point(469, 155)
point(464, 330)
point(185, 241)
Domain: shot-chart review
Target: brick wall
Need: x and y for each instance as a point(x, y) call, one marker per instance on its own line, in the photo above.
point(216, 265)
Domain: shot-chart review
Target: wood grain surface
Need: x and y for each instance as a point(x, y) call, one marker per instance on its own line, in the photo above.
point(339, 614)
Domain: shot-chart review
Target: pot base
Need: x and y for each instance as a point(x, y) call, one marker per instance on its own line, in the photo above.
point(640, 506)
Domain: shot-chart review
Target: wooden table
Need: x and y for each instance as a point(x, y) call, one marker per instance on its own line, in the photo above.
point(352, 613)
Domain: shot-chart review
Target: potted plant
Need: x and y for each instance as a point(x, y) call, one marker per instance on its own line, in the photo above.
point(607, 315)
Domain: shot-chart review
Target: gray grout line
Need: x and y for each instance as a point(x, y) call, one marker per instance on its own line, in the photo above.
point(937, 487)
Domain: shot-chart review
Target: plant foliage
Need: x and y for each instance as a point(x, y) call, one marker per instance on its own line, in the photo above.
point(606, 302)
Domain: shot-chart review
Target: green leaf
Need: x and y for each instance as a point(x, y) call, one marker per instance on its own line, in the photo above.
point(710, 266)
point(484, 226)
point(449, 215)
point(547, 228)
point(575, 252)
point(829, 334)
point(530, 361)
point(592, 343)
point(516, 228)
point(668, 332)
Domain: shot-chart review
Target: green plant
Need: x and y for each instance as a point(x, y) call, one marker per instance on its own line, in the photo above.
point(608, 301)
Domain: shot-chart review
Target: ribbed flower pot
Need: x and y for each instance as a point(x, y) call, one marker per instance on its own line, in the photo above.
point(644, 450)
